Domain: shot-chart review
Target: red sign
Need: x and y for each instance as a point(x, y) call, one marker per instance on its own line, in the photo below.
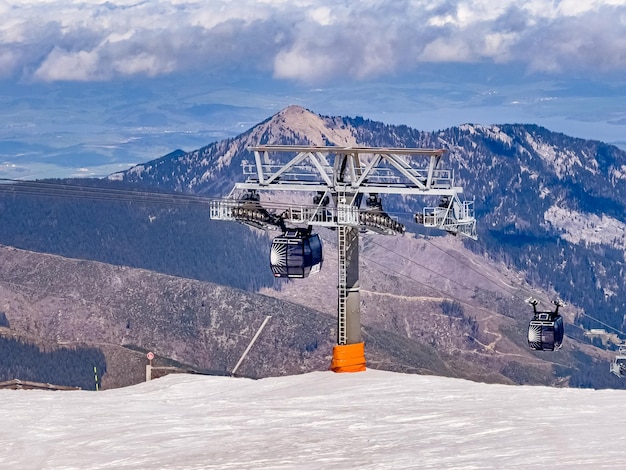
point(150, 355)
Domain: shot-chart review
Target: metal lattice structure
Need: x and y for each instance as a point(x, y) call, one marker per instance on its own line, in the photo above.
point(341, 187)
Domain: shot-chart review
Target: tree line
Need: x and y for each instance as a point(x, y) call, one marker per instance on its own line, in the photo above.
point(175, 240)
point(71, 367)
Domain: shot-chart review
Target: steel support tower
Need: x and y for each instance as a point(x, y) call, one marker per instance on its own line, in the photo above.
point(340, 188)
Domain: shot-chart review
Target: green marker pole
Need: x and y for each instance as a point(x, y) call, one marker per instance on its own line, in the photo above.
point(95, 373)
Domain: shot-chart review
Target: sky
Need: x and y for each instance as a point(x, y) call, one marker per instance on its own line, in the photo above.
point(90, 87)
point(366, 420)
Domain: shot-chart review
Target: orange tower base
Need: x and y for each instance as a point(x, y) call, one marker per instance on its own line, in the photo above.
point(348, 358)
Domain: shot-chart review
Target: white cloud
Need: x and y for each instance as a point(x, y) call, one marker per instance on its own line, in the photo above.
point(447, 50)
point(297, 64)
point(322, 15)
point(576, 7)
point(65, 65)
point(309, 41)
point(143, 63)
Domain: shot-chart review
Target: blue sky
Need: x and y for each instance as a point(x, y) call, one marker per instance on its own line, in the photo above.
point(91, 87)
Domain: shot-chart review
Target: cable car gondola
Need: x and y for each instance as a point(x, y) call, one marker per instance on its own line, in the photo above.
point(545, 331)
point(296, 253)
point(618, 366)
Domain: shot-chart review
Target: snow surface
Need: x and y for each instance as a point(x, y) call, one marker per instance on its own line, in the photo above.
point(367, 420)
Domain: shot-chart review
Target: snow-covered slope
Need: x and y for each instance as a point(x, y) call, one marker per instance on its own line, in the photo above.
point(368, 420)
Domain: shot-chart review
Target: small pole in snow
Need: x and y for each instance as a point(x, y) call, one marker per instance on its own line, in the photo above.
point(150, 356)
point(95, 374)
point(250, 345)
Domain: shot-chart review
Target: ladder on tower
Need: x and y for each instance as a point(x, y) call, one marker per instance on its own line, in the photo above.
point(342, 333)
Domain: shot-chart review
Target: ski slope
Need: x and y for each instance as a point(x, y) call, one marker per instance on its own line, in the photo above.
point(368, 420)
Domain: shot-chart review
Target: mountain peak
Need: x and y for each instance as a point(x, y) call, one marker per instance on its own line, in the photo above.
point(301, 126)
point(294, 111)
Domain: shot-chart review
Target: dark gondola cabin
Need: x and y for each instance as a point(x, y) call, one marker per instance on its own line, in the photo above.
point(296, 253)
point(545, 332)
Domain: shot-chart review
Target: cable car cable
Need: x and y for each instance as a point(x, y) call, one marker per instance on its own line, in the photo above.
point(506, 287)
point(522, 288)
point(420, 265)
point(545, 329)
point(583, 313)
point(443, 294)
point(96, 193)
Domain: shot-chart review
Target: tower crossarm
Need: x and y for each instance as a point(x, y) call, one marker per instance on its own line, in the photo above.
point(365, 169)
point(269, 174)
point(357, 172)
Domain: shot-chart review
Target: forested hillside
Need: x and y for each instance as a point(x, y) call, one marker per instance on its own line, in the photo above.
point(71, 367)
point(552, 206)
point(171, 239)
